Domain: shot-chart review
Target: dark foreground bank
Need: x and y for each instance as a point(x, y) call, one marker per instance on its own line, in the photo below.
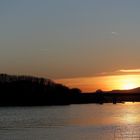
point(32, 91)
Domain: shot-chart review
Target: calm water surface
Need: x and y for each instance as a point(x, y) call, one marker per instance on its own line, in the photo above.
point(74, 122)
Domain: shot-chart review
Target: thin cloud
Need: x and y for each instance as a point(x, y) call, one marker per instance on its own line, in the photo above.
point(130, 70)
point(119, 72)
point(114, 33)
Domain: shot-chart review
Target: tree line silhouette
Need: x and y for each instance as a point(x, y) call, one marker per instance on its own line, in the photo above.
point(30, 91)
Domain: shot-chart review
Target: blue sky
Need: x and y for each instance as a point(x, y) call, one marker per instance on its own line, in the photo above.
point(64, 39)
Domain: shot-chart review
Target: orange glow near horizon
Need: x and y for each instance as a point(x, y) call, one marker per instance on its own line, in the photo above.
point(127, 81)
point(89, 84)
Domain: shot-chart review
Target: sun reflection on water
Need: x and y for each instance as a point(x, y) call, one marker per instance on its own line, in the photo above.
point(130, 113)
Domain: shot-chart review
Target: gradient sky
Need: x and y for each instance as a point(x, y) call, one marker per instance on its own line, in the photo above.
point(69, 38)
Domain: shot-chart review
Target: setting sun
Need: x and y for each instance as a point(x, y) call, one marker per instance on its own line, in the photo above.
point(89, 84)
point(129, 82)
point(129, 86)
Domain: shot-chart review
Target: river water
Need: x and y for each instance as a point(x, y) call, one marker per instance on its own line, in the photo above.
point(73, 122)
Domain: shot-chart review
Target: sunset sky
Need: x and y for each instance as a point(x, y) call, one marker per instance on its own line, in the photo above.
point(90, 44)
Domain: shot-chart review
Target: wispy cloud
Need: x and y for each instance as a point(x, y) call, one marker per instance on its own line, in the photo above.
point(114, 33)
point(120, 72)
point(130, 70)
